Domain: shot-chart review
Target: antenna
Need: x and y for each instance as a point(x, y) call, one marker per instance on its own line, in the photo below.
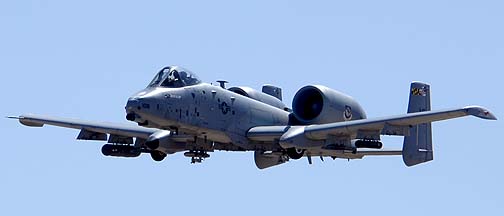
point(222, 83)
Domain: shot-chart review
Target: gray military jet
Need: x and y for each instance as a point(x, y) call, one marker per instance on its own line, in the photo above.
point(179, 113)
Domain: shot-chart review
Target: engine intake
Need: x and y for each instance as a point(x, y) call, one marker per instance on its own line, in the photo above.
point(315, 104)
point(308, 103)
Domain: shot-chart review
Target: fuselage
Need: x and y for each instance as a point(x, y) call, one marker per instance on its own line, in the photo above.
point(219, 118)
point(206, 111)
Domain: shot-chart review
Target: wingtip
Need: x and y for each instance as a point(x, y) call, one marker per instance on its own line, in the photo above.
point(480, 112)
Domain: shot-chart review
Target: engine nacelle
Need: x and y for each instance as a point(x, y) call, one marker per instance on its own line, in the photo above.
point(258, 96)
point(316, 104)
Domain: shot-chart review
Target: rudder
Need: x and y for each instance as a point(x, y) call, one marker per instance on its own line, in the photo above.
point(417, 147)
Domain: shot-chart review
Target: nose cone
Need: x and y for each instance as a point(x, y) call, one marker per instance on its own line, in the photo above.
point(138, 108)
point(142, 106)
point(132, 104)
point(135, 101)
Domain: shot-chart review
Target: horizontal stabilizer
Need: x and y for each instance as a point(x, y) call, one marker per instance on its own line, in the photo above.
point(480, 112)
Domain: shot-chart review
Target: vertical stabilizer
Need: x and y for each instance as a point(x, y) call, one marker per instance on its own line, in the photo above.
point(417, 147)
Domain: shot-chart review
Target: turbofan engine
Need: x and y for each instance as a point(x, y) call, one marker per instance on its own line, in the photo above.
point(316, 104)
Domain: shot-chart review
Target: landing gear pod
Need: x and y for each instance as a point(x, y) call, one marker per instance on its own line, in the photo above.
point(295, 154)
point(157, 155)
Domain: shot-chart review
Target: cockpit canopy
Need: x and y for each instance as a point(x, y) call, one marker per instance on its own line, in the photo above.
point(174, 77)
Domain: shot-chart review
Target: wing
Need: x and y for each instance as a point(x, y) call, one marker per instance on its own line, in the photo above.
point(366, 128)
point(321, 140)
point(90, 130)
point(397, 125)
point(363, 129)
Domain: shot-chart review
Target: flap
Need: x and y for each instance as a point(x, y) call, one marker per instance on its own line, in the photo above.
point(116, 139)
point(90, 135)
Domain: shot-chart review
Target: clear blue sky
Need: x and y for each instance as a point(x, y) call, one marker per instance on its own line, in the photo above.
point(84, 59)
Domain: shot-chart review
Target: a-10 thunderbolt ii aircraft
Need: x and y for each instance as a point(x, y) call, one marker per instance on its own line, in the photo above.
point(179, 113)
